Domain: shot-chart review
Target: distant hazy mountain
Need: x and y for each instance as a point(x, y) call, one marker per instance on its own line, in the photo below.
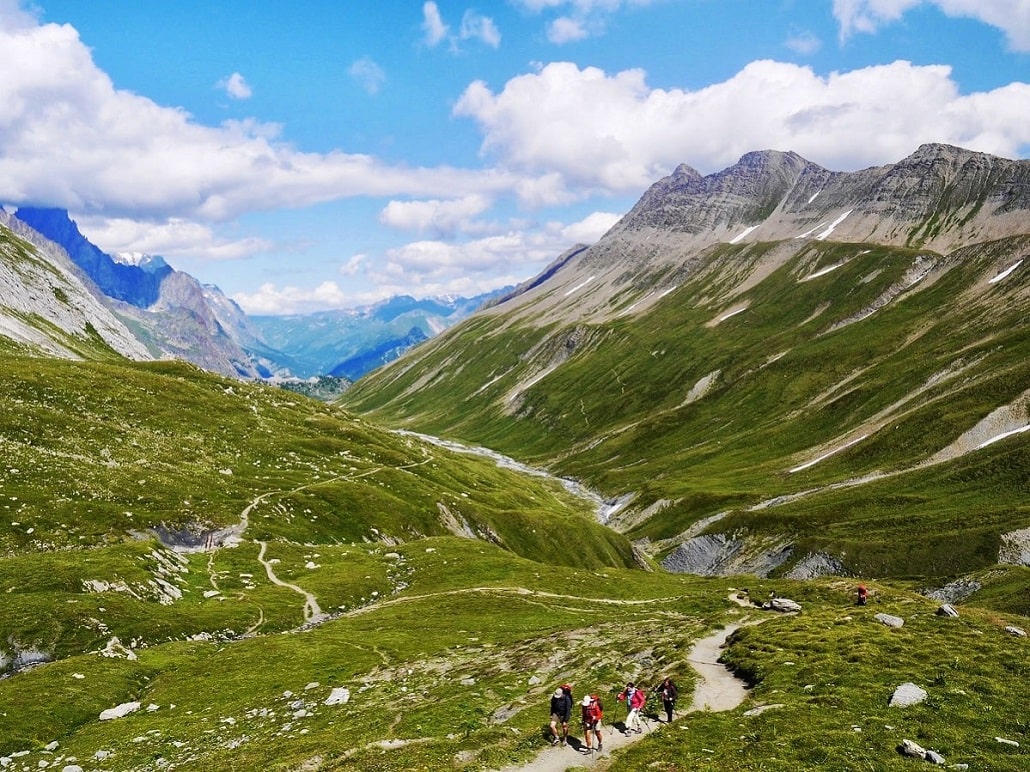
point(352, 342)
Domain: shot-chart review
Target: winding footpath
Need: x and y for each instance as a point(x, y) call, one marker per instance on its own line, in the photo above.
point(312, 611)
point(717, 689)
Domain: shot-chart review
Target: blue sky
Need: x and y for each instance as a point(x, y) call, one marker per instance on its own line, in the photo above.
point(318, 154)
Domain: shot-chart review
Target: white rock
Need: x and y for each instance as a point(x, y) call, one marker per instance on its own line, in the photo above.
point(785, 605)
point(907, 694)
point(72, 768)
point(152, 707)
point(890, 620)
point(101, 755)
point(52, 746)
point(312, 685)
point(120, 711)
point(339, 696)
point(1003, 741)
point(533, 680)
point(915, 750)
point(1017, 631)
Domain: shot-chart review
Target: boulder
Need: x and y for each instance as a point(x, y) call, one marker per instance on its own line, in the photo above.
point(909, 748)
point(783, 605)
point(890, 620)
point(935, 758)
point(947, 610)
point(120, 711)
point(339, 696)
point(1017, 631)
point(907, 694)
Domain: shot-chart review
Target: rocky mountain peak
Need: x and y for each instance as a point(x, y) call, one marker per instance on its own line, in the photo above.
point(133, 284)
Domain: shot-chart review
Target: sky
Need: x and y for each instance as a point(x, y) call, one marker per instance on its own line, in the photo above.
point(323, 154)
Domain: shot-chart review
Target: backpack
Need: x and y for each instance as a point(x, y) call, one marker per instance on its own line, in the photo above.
point(596, 708)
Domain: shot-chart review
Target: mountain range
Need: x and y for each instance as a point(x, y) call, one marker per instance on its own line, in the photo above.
point(771, 369)
point(174, 315)
point(760, 389)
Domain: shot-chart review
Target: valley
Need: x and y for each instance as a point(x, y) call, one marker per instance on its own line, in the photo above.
point(608, 475)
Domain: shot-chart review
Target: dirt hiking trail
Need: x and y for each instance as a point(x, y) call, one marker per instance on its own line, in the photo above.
point(717, 689)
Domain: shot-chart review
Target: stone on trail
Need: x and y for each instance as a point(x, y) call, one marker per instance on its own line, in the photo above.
point(947, 610)
point(890, 620)
point(907, 694)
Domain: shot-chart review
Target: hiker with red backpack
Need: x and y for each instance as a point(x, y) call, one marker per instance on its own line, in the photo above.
point(635, 700)
point(593, 711)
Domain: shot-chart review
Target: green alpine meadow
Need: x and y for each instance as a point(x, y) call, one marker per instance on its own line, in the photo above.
point(760, 390)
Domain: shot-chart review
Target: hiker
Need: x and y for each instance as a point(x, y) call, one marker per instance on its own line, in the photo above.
point(667, 689)
point(862, 595)
point(634, 699)
point(561, 712)
point(593, 711)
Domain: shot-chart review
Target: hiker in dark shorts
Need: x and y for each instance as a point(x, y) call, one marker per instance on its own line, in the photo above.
point(561, 712)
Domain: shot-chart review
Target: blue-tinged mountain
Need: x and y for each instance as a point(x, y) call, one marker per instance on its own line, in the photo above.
point(172, 313)
point(352, 342)
point(136, 284)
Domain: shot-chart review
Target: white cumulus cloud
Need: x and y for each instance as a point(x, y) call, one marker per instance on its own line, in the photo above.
point(613, 132)
point(433, 24)
point(367, 74)
point(1012, 17)
point(235, 86)
point(482, 28)
point(442, 217)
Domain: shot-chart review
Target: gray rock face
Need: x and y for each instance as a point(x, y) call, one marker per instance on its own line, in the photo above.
point(906, 695)
point(815, 565)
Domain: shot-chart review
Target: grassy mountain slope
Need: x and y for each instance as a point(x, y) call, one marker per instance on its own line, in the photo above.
point(451, 667)
point(97, 456)
point(765, 386)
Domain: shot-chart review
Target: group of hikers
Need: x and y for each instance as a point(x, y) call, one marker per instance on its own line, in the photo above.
point(592, 711)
